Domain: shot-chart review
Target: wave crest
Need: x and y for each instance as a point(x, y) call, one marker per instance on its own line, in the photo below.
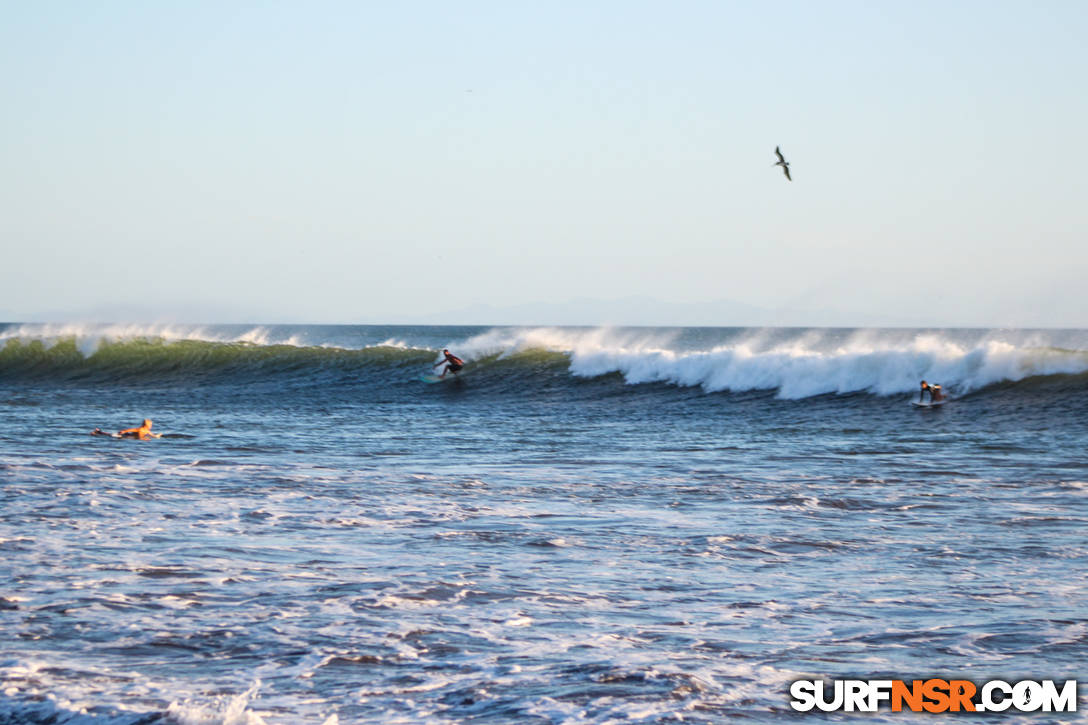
point(794, 364)
point(797, 370)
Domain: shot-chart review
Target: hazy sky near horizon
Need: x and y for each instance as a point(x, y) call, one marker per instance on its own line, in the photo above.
point(350, 162)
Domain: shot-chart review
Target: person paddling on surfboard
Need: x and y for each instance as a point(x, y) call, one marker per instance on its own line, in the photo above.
point(453, 363)
point(142, 433)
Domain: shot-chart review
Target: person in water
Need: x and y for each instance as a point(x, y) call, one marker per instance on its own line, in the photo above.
point(142, 433)
point(936, 395)
point(453, 363)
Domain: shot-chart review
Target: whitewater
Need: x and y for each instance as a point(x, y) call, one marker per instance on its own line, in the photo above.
point(796, 363)
point(588, 525)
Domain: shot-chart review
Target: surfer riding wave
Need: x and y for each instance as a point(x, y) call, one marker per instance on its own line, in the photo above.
point(936, 395)
point(453, 363)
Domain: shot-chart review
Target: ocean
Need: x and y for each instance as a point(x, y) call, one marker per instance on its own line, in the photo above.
point(619, 525)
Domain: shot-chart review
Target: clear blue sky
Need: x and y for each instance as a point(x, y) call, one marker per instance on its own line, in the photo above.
point(369, 162)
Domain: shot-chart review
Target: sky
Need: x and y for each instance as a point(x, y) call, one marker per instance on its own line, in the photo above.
point(545, 162)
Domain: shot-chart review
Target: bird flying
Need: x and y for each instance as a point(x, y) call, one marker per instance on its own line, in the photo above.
point(783, 163)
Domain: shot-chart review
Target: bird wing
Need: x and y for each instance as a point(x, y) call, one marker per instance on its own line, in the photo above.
point(787, 170)
point(779, 155)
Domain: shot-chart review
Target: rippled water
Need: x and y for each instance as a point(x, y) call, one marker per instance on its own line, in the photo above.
point(324, 539)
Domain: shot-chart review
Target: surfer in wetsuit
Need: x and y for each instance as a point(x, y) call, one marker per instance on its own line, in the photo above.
point(453, 363)
point(142, 433)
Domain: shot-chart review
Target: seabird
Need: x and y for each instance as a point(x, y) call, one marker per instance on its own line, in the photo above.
point(783, 163)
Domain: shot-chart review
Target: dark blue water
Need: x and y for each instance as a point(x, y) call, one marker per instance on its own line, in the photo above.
point(585, 526)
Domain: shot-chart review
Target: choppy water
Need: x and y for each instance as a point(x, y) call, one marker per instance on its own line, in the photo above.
point(589, 526)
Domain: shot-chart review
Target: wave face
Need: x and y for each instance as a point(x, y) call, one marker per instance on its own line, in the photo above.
point(793, 363)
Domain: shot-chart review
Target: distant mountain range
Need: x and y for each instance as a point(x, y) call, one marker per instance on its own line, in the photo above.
point(647, 311)
point(642, 311)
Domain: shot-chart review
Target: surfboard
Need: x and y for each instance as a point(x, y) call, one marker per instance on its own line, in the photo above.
point(119, 437)
point(938, 404)
point(427, 378)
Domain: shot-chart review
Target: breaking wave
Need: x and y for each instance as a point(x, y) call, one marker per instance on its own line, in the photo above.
point(795, 364)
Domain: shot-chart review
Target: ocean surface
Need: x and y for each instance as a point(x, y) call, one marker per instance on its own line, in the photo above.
point(586, 526)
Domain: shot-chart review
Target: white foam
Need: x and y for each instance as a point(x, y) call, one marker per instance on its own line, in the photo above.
point(398, 344)
point(811, 362)
point(222, 710)
point(509, 341)
point(89, 337)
